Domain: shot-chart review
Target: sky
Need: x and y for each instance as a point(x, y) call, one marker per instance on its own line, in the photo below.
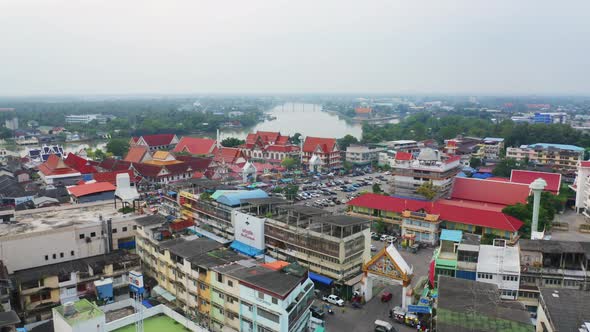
point(294, 46)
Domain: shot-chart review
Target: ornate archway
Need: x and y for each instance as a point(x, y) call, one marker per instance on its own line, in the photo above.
point(390, 266)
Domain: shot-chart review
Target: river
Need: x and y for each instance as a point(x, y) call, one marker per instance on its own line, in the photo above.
point(307, 119)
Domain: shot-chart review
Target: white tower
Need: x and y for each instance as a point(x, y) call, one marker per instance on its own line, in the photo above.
point(537, 187)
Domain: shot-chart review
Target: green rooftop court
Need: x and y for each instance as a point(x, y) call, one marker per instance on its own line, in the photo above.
point(157, 323)
point(83, 310)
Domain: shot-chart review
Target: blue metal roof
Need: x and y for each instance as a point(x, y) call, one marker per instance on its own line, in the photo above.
point(451, 235)
point(234, 199)
point(558, 146)
point(320, 278)
point(245, 249)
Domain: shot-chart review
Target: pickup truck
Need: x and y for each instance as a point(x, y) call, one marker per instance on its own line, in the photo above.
point(333, 299)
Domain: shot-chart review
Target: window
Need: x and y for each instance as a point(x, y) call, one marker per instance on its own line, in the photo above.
point(484, 276)
point(509, 278)
point(275, 301)
point(203, 286)
point(230, 283)
point(72, 253)
point(114, 230)
point(81, 236)
point(124, 229)
point(61, 255)
point(261, 295)
point(46, 257)
point(219, 277)
point(231, 299)
point(93, 234)
point(134, 227)
point(268, 315)
point(54, 256)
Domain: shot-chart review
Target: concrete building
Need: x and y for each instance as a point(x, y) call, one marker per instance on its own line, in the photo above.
point(86, 118)
point(563, 310)
point(79, 316)
point(65, 233)
point(582, 188)
point(11, 124)
point(550, 117)
point(499, 264)
point(362, 155)
point(552, 264)
point(562, 158)
point(40, 289)
point(429, 166)
point(492, 148)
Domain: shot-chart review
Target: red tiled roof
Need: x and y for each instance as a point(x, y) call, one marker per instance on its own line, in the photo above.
point(147, 169)
point(495, 192)
point(400, 155)
point(327, 145)
point(195, 145)
point(527, 177)
point(91, 188)
point(227, 155)
point(196, 163)
point(112, 164)
point(198, 175)
point(159, 139)
point(80, 164)
point(363, 110)
point(448, 212)
point(111, 177)
point(136, 153)
point(55, 166)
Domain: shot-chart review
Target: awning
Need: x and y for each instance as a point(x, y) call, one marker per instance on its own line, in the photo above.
point(245, 249)
point(320, 278)
point(164, 293)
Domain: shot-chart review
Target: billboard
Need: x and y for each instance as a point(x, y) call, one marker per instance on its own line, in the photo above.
point(249, 229)
point(136, 282)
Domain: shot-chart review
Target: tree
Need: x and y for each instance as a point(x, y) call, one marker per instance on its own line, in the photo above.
point(379, 226)
point(474, 162)
point(232, 142)
point(549, 206)
point(118, 146)
point(205, 196)
point(296, 139)
point(290, 163)
point(428, 190)
point(346, 141)
point(291, 191)
point(377, 188)
point(347, 165)
point(505, 167)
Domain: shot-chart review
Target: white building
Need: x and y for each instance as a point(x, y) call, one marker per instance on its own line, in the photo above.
point(79, 316)
point(86, 118)
point(362, 154)
point(500, 265)
point(63, 233)
point(582, 188)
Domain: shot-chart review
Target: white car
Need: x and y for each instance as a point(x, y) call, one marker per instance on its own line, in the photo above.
point(373, 248)
point(334, 299)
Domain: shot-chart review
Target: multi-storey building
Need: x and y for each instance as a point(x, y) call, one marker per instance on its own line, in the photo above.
point(362, 155)
point(552, 264)
point(271, 147)
point(260, 298)
point(582, 188)
point(410, 173)
point(222, 289)
point(563, 310)
point(321, 154)
point(492, 148)
point(86, 118)
point(560, 157)
point(39, 289)
point(335, 246)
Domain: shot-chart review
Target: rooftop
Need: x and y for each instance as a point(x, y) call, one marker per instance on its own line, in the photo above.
point(156, 324)
point(498, 260)
point(471, 306)
point(343, 220)
point(555, 247)
point(557, 146)
point(151, 220)
point(187, 247)
point(486, 191)
point(44, 219)
point(84, 310)
point(567, 308)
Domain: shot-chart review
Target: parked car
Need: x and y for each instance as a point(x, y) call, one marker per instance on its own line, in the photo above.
point(317, 312)
point(334, 299)
point(383, 326)
point(384, 237)
point(373, 248)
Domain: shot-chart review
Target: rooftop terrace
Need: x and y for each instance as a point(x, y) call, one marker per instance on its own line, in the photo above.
point(83, 310)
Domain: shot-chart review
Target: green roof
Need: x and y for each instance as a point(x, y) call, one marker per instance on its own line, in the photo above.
point(84, 310)
point(477, 322)
point(159, 323)
point(448, 263)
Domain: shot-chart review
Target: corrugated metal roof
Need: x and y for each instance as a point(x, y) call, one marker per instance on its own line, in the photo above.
point(234, 199)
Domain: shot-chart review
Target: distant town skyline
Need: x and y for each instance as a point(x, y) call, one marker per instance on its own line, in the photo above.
point(456, 47)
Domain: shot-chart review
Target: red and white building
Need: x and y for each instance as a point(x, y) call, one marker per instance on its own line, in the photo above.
point(271, 147)
point(321, 153)
point(55, 171)
point(155, 142)
point(196, 146)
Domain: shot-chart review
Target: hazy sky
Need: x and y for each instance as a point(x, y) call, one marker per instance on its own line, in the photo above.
point(280, 46)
